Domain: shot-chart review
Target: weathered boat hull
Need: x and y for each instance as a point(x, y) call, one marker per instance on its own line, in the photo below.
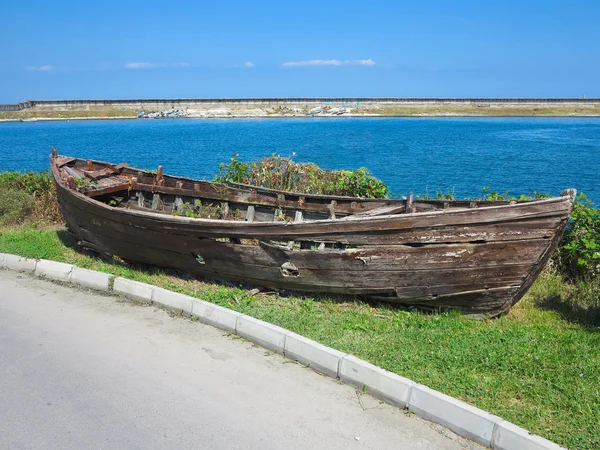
point(480, 260)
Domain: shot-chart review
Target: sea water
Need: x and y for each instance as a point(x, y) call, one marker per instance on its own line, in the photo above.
point(422, 155)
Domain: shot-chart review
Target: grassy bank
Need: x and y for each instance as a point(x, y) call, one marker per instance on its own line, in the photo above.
point(538, 366)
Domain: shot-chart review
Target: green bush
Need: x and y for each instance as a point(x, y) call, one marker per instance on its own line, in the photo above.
point(35, 183)
point(15, 206)
point(578, 255)
point(276, 172)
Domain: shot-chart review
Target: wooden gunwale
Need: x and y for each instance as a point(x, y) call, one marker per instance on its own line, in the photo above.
point(430, 219)
point(522, 230)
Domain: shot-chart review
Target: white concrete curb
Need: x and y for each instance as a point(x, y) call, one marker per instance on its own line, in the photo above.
point(376, 381)
point(54, 270)
point(215, 315)
point(134, 289)
point(179, 303)
point(316, 356)
point(262, 333)
point(18, 263)
point(462, 418)
point(508, 436)
point(91, 279)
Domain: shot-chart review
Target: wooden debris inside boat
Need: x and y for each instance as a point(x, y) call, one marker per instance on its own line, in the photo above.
point(477, 256)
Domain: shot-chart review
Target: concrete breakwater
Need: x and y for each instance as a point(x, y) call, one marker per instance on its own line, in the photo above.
point(262, 107)
point(16, 107)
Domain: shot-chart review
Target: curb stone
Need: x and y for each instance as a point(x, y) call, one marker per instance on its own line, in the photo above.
point(317, 356)
point(462, 418)
point(215, 315)
point(133, 289)
point(508, 436)
point(19, 263)
point(379, 382)
point(54, 270)
point(173, 301)
point(262, 333)
point(91, 279)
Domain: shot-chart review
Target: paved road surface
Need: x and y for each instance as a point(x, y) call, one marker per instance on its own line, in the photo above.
point(85, 371)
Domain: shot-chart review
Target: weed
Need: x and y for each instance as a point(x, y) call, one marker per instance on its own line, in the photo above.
point(579, 252)
point(281, 173)
point(83, 182)
point(39, 185)
point(204, 211)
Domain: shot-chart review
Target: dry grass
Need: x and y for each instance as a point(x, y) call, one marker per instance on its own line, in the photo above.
point(28, 197)
point(481, 111)
point(66, 114)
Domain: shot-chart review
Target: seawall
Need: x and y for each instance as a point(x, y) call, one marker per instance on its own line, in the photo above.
point(183, 103)
point(277, 107)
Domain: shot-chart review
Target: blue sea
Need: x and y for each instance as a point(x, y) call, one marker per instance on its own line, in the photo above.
point(423, 155)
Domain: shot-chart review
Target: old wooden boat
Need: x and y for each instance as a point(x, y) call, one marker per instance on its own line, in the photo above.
point(477, 256)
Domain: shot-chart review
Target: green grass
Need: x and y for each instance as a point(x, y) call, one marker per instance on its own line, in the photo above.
point(538, 367)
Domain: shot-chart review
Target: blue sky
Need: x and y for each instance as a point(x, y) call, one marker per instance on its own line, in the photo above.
point(132, 49)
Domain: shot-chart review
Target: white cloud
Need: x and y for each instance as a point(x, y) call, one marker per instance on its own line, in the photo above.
point(45, 68)
point(330, 62)
point(142, 65)
point(313, 62)
point(248, 64)
point(147, 65)
point(365, 62)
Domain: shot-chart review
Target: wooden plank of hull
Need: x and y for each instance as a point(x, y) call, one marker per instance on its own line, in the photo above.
point(483, 303)
point(539, 265)
point(108, 189)
point(516, 230)
point(311, 275)
point(348, 260)
point(386, 257)
point(414, 284)
point(375, 231)
point(239, 272)
point(487, 302)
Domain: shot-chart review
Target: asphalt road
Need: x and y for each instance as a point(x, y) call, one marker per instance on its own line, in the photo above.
point(84, 371)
